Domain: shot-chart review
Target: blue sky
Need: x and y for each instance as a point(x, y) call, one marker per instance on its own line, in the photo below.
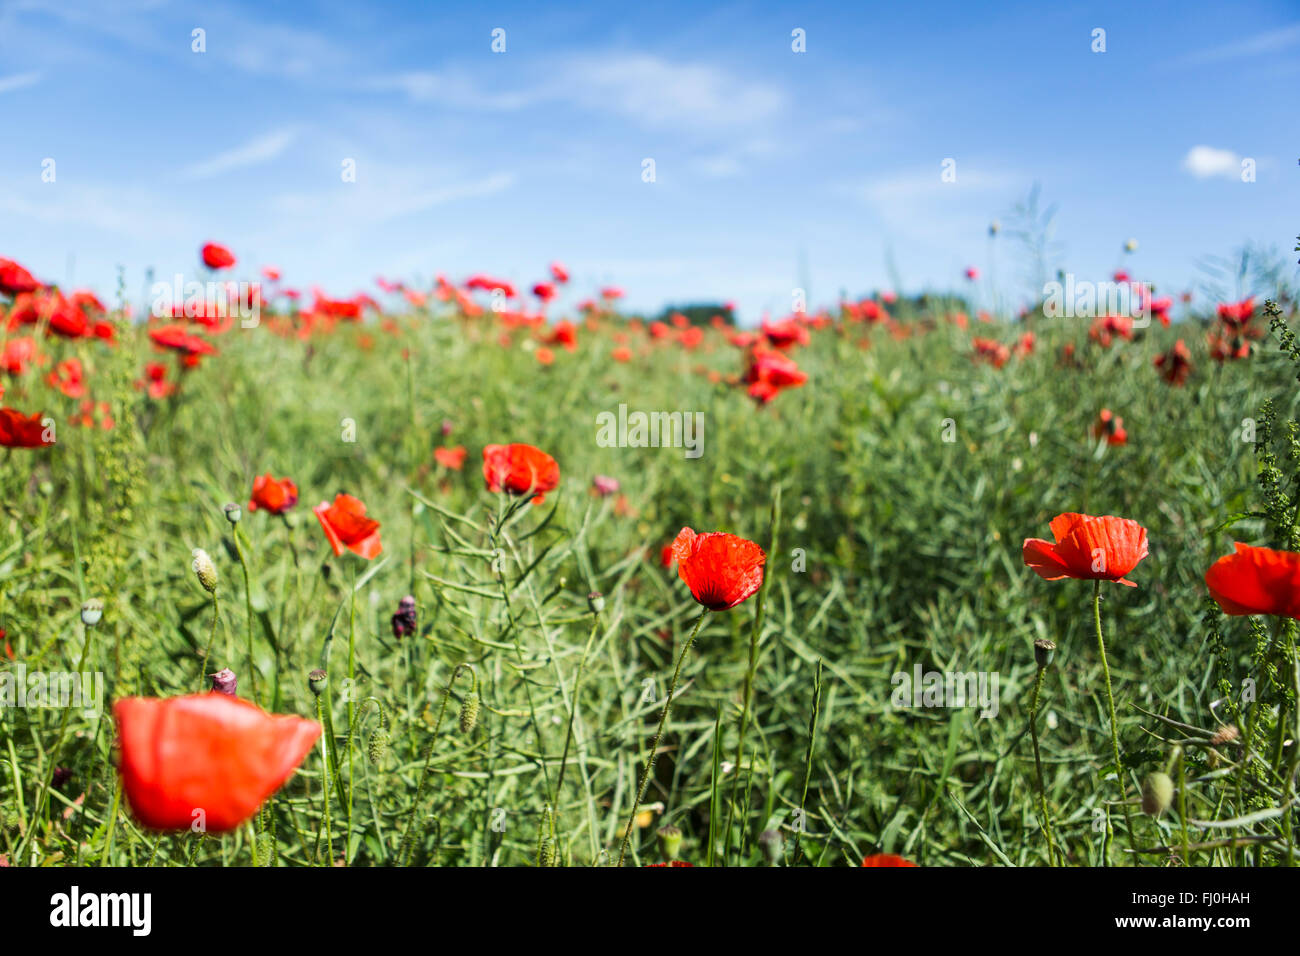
point(773, 168)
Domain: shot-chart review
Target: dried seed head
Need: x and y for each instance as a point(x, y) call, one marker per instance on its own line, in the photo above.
point(233, 513)
point(316, 681)
point(1044, 651)
point(596, 602)
point(224, 681)
point(91, 612)
point(469, 712)
point(377, 745)
point(205, 569)
point(670, 841)
point(772, 844)
point(1157, 793)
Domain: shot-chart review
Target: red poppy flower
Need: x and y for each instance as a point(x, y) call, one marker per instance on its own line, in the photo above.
point(274, 496)
point(1176, 364)
point(217, 256)
point(21, 431)
point(768, 372)
point(520, 470)
point(18, 355)
point(205, 752)
point(346, 525)
point(15, 280)
point(621, 354)
point(69, 378)
point(1110, 427)
point(544, 356)
point(544, 291)
point(972, 273)
point(721, 569)
point(1256, 581)
point(177, 338)
point(1088, 548)
point(559, 273)
point(886, 859)
point(155, 381)
point(453, 458)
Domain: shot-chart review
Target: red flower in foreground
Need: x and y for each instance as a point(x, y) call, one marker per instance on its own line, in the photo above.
point(1088, 548)
point(15, 280)
point(453, 458)
point(346, 525)
point(721, 570)
point(21, 431)
point(216, 256)
point(885, 859)
point(205, 752)
point(520, 470)
point(274, 496)
point(1256, 581)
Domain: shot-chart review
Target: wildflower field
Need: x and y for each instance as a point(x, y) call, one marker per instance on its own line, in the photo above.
point(865, 603)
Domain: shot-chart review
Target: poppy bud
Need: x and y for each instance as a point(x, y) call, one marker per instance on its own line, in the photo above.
point(772, 844)
point(546, 852)
point(233, 513)
point(670, 841)
point(377, 745)
point(1131, 245)
point(404, 621)
point(469, 712)
point(91, 612)
point(206, 570)
point(596, 602)
point(316, 681)
point(1157, 793)
point(224, 682)
point(1044, 651)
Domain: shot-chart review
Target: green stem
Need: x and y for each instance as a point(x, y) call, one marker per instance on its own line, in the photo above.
point(248, 611)
point(1114, 725)
point(1038, 767)
point(654, 746)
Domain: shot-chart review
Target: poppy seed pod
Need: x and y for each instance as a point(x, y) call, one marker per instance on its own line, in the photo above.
point(233, 513)
point(92, 612)
point(224, 681)
point(469, 712)
point(596, 602)
point(670, 841)
point(1044, 651)
point(205, 569)
point(1157, 793)
point(316, 681)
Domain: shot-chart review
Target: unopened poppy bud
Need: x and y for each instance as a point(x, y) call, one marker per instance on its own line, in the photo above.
point(377, 746)
point(670, 841)
point(596, 602)
point(317, 680)
point(205, 569)
point(91, 612)
point(224, 681)
point(1044, 651)
point(1131, 245)
point(772, 844)
point(404, 621)
point(1157, 793)
point(546, 852)
point(469, 712)
point(233, 513)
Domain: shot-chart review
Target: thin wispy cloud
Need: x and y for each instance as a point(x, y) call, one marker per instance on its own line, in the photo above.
point(1261, 44)
point(18, 81)
point(254, 152)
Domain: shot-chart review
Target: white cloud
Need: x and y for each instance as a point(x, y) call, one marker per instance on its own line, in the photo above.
point(18, 81)
point(380, 195)
point(260, 150)
point(1261, 44)
point(642, 87)
point(1206, 161)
